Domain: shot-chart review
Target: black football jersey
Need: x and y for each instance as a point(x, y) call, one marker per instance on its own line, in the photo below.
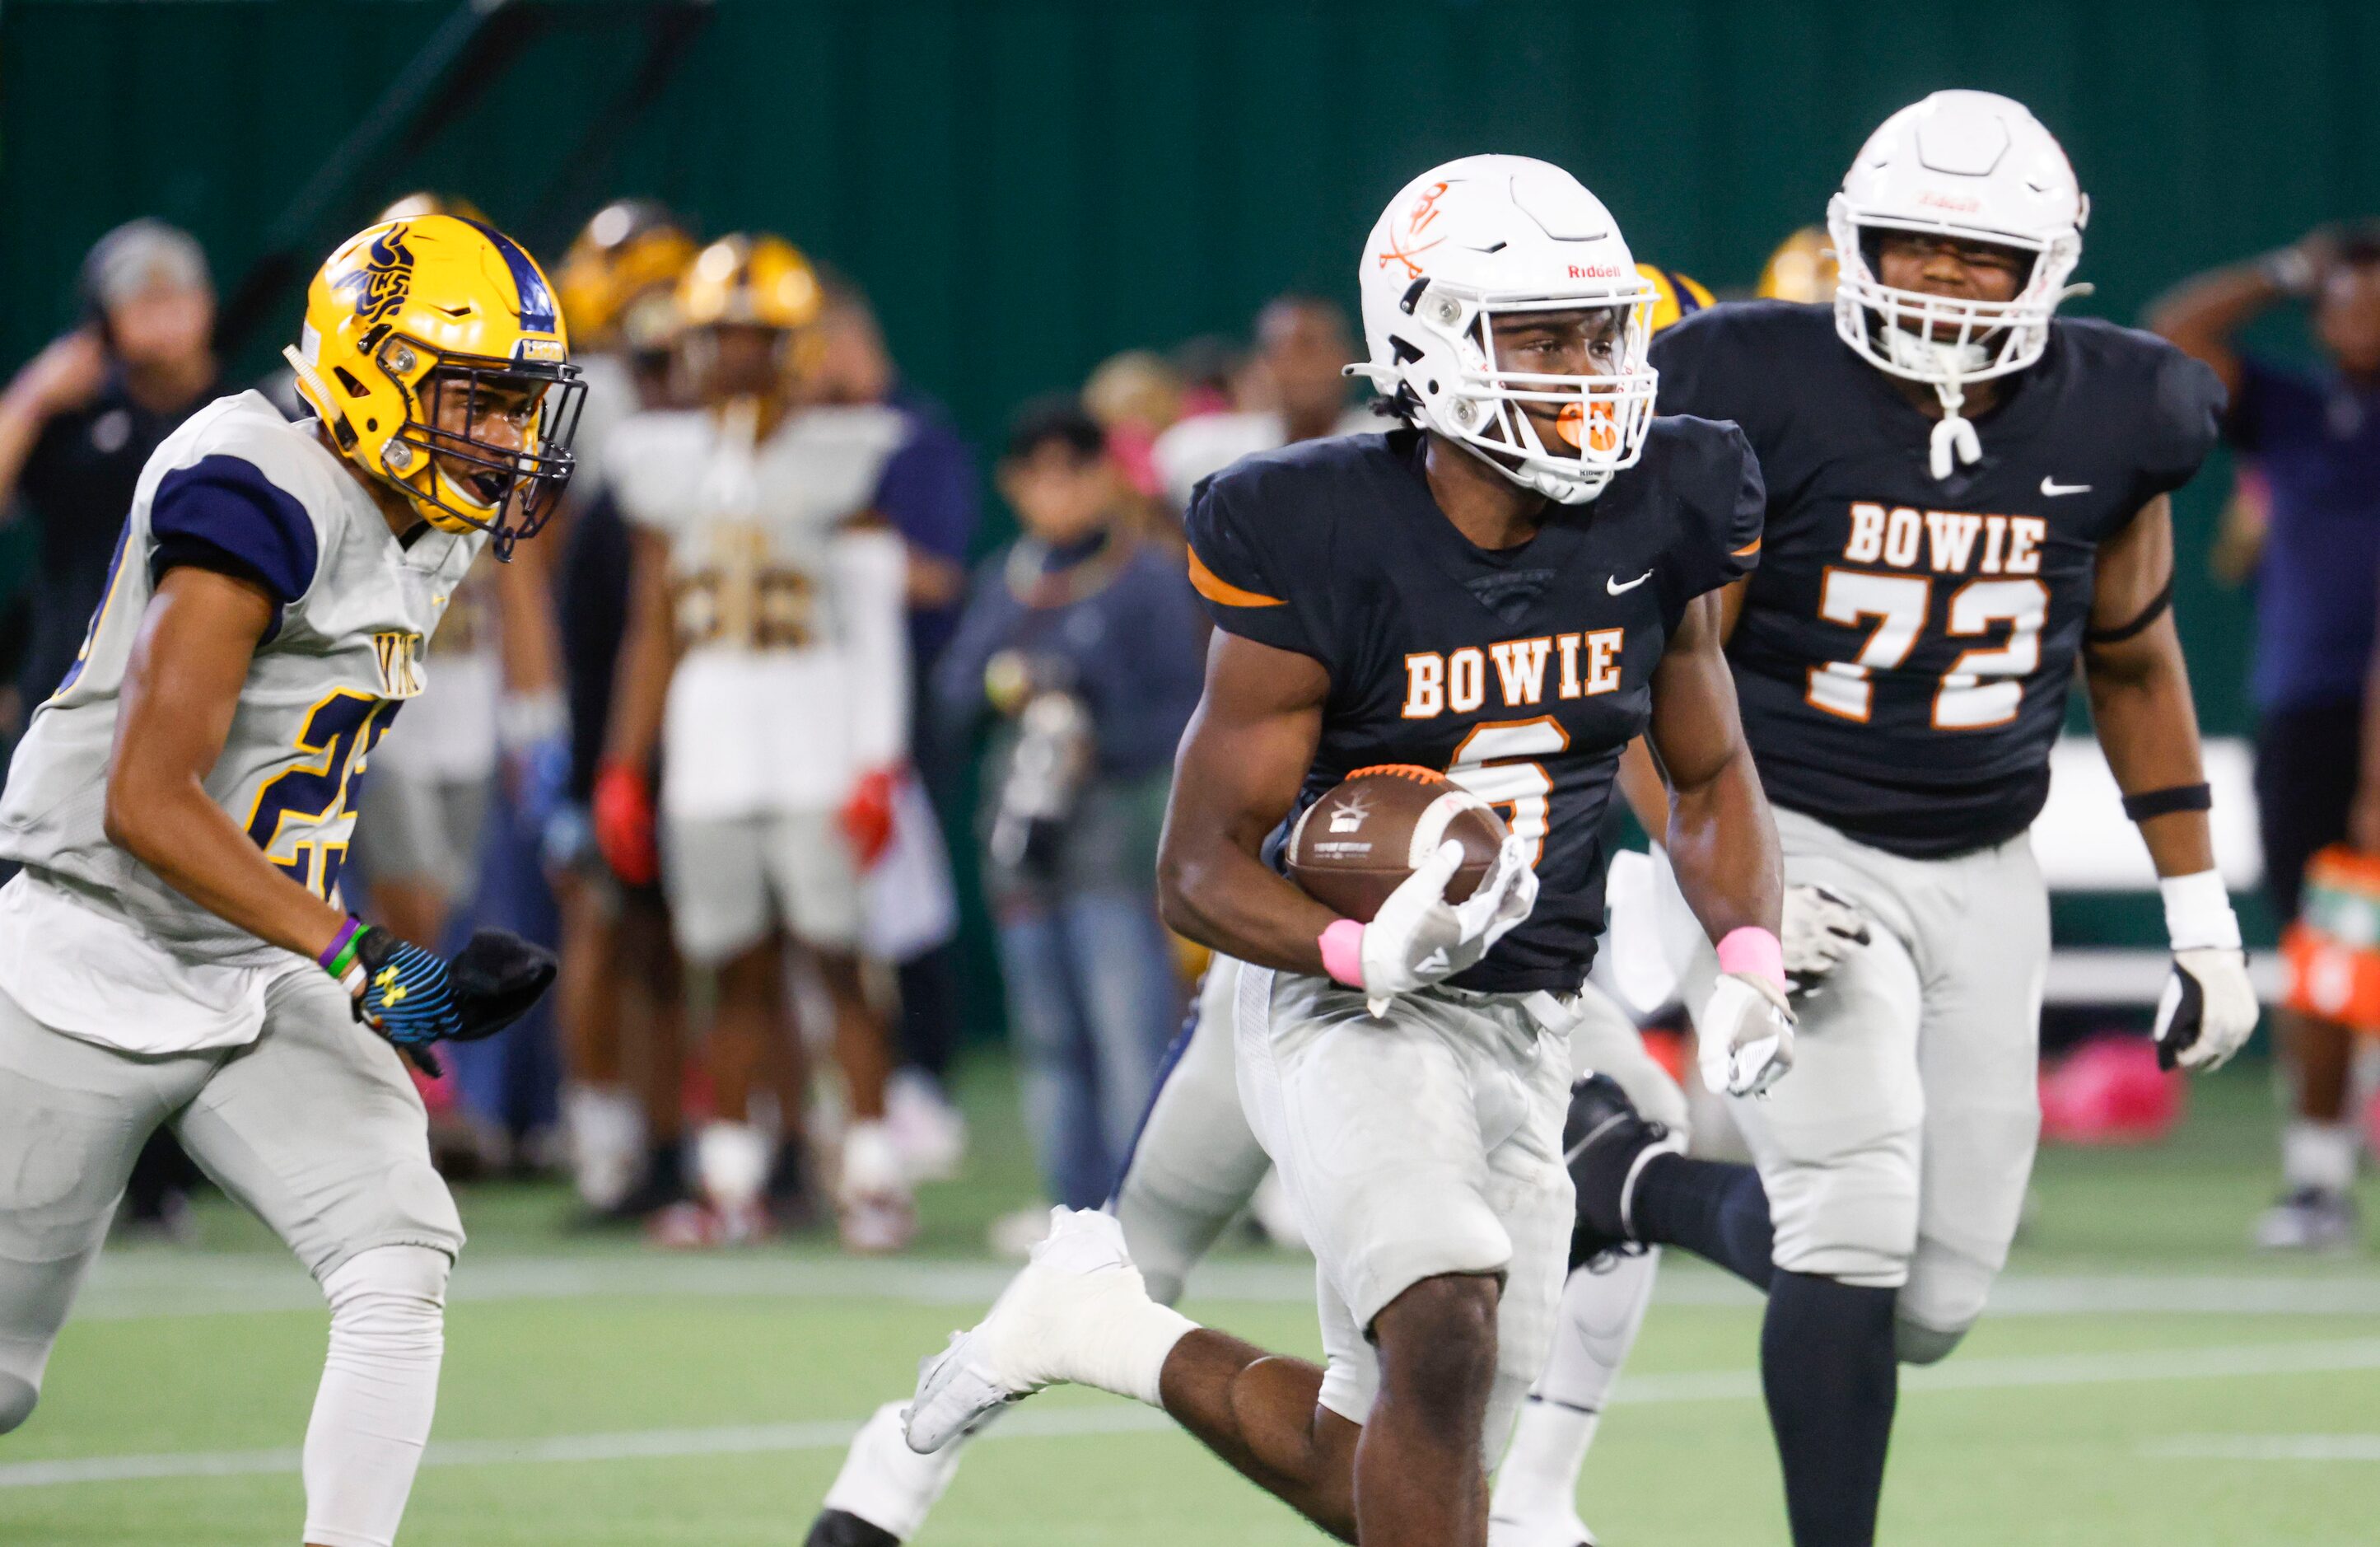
point(1905, 649)
point(1522, 671)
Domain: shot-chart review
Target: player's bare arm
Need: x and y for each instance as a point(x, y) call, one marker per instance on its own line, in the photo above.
point(1721, 841)
point(2139, 686)
point(2203, 314)
point(647, 655)
point(623, 795)
point(1247, 750)
point(181, 690)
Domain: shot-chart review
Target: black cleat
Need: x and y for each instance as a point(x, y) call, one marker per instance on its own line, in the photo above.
point(1605, 1141)
point(839, 1527)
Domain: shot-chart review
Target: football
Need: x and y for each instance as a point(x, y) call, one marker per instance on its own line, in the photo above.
point(1353, 846)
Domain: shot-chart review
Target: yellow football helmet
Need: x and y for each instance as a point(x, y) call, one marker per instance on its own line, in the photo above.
point(760, 281)
point(406, 316)
point(617, 279)
point(1802, 269)
point(1674, 296)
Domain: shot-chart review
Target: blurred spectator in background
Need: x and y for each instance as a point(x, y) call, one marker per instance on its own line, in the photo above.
point(1301, 351)
point(80, 421)
point(2315, 436)
point(1214, 373)
point(76, 426)
point(1082, 640)
point(928, 493)
point(620, 991)
point(1135, 396)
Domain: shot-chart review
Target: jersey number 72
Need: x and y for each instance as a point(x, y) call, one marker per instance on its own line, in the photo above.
point(1984, 687)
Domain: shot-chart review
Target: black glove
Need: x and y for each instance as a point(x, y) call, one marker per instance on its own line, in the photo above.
point(497, 977)
point(414, 999)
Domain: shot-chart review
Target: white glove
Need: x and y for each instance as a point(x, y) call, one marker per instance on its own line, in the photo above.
point(2207, 1010)
point(1418, 938)
point(1744, 1036)
point(2208, 1007)
point(1818, 927)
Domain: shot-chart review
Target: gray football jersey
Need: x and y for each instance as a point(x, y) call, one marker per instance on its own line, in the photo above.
point(238, 486)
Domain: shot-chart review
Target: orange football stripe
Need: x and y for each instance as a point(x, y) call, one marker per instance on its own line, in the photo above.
point(1748, 549)
point(1220, 592)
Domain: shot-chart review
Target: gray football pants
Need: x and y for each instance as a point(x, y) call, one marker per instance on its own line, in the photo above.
point(313, 1127)
point(1197, 1162)
point(1897, 1151)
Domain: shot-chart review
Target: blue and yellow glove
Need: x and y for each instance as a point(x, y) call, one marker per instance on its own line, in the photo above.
point(414, 998)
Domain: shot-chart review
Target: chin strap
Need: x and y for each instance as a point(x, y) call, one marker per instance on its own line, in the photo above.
point(321, 398)
point(1955, 433)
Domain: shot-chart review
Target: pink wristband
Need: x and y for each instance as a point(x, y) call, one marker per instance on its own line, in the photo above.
point(1755, 951)
point(1342, 952)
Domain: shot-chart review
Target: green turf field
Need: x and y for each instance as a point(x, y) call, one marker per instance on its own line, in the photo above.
point(2143, 1381)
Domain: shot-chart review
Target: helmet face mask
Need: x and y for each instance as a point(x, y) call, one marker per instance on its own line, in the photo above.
point(446, 462)
point(1474, 252)
point(1597, 416)
point(416, 332)
point(1957, 339)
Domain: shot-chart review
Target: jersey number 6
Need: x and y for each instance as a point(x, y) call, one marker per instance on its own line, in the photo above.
point(1497, 763)
point(1984, 687)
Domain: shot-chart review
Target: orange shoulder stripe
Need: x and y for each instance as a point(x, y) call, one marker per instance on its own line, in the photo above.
point(1220, 592)
point(1748, 549)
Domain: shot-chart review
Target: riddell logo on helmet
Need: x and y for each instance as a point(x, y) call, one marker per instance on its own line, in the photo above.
point(1596, 270)
point(1950, 202)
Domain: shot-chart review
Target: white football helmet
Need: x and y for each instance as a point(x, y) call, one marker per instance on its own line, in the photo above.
point(1978, 166)
point(1489, 235)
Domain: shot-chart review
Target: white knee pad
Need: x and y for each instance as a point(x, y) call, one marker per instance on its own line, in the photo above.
point(1944, 1296)
point(379, 1389)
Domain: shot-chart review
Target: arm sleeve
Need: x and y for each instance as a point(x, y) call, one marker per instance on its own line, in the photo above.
point(2186, 418)
point(1724, 504)
point(869, 568)
point(927, 491)
point(1236, 571)
point(222, 513)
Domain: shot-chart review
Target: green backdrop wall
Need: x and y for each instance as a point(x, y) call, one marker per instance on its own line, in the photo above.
point(1029, 184)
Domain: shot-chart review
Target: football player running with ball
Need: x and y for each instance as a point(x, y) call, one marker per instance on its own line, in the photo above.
point(1192, 1170)
point(175, 951)
point(1510, 588)
point(1966, 498)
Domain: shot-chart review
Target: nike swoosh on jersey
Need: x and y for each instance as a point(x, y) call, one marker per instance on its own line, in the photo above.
point(1612, 582)
point(2052, 488)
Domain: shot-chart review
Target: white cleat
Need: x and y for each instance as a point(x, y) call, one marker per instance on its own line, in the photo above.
point(1078, 1287)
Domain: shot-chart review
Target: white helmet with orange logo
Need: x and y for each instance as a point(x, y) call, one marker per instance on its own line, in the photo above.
point(1486, 236)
